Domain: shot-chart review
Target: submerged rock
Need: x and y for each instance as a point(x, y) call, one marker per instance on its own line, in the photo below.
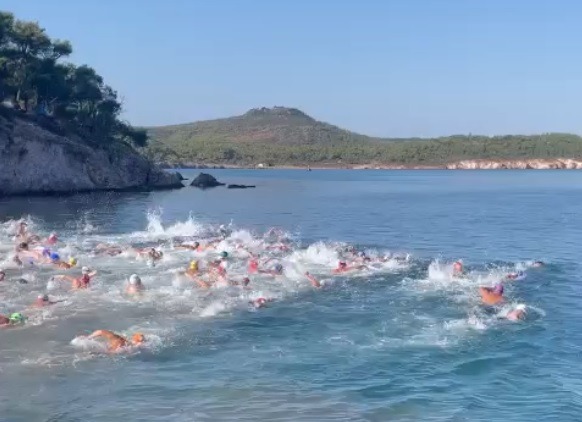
point(240, 186)
point(205, 180)
point(37, 160)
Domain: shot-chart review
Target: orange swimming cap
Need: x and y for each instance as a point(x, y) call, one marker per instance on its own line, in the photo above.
point(138, 338)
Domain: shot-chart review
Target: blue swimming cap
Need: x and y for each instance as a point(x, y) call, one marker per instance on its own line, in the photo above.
point(55, 256)
point(279, 268)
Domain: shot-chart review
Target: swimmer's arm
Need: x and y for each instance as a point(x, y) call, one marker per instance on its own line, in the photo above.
point(201, 283)
point(65, 277)
point(314, 282)
point(92, 273)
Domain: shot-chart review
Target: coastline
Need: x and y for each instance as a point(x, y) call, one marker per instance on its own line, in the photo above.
point(477, 164)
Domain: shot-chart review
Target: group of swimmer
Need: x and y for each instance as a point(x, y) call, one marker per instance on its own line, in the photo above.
point(263, 260)
point(493, 296)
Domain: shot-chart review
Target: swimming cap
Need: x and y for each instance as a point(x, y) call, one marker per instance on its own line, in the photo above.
point(55, 256)
point(498, 289)
point(2, 272)
point(193, 265)
point(134, 279)
point(16, 317)
point(246, 281)
point(72, 261)
point(224, 254)
point(342, 264)
point(138, 338)
point(44, 298)
point(196, 244)
point(85, 270)
point(520, 307)
point(279, 268)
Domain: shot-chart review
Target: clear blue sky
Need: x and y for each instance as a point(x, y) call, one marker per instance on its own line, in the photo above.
point(384, 67)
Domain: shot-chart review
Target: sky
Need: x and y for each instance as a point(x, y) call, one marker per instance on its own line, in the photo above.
point(393, 68)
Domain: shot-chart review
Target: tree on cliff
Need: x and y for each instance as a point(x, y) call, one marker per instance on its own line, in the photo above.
point(34, 79)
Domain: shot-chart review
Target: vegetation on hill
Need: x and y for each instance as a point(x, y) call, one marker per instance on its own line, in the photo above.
point(284, 136)
point(35, 81)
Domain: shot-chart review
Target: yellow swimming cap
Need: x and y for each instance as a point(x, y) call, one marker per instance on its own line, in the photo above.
point(194, 265)
point(72, 261)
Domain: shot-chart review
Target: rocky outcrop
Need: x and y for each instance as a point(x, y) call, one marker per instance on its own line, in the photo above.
point(37, 160)
point(535, 164)
point(205, 180)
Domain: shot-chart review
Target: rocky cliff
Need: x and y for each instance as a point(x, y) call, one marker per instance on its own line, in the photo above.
point(535, 164)
point(37, 160)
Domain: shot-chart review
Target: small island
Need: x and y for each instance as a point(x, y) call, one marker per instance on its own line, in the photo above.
point(60, 125)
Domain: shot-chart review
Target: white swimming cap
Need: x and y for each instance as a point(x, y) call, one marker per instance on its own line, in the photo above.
point(134, 279)
point(85, 270)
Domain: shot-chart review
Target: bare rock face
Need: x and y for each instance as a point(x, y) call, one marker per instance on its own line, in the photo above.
point(34, 160)
point(534, 164)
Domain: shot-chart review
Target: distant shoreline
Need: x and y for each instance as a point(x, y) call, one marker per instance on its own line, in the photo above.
point(533, 164)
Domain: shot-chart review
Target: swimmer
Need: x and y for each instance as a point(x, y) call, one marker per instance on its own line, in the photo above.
point(108, 249)
point(152, 253)
point(52, 239)
point(194, 247)
point(244, 283)
point(516, 314)
point(2, 275)
point(277, 270)
point(115, 342)
point(15, 318)
point(458, 269)
point(538, 264)
point(81, 282)
point(314, 282)
point(492, 296)
point(224, 232)
point(43, 300)
point(343, 267)
point(193, 269)
point(258, 303)
point(134, 285)
point(67, 265)
point(22, 230)
point(515, 275)
point(253, 266)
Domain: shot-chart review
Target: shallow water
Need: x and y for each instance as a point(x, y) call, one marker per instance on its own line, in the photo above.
point(397, 341)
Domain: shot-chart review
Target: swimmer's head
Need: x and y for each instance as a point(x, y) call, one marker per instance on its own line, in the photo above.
point(342, 264)
point(85, 270)
point(362, 254)
point(138, 338)
point(196, 244)
point(498, 290)
point(54, 256)
point(134, 280)
point(72, 261)
point(279, 268)
point(458, 266)
point(224, 254)
point(194, 265)
point(52, 239)
point(23, 246)
point(16, 318)
point(42, 298)
point(246, 281)
point(520, 307)
point(2, 275)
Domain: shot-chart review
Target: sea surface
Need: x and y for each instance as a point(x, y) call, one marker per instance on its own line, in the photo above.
point(398, 340)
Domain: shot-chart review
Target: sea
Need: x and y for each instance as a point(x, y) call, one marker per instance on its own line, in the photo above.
point(399, 337)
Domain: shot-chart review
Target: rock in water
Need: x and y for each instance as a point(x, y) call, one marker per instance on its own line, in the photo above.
point(240, 186)
point(204, 180)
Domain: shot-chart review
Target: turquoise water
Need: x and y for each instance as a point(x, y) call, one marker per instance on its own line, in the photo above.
point(394, 343)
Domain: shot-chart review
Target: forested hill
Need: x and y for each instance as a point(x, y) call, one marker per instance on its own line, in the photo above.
point(287, 136)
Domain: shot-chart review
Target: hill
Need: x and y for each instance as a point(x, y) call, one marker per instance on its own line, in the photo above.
point(287, 136)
